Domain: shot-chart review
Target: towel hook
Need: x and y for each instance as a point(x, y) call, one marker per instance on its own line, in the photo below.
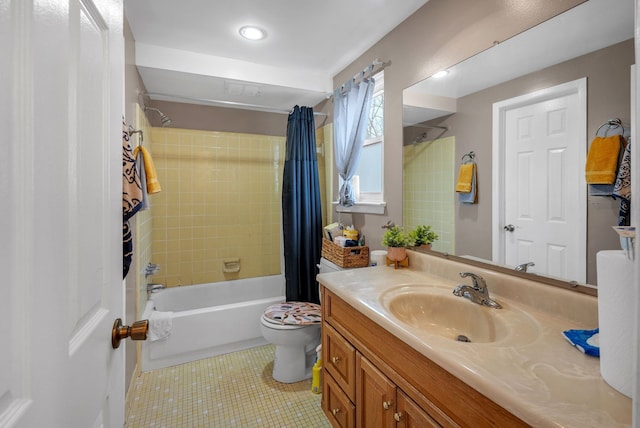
point(469, 157)
point(611, 124)
point(132, 130)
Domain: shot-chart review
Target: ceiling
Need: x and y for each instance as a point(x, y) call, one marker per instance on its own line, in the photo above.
point(592, 25)
point(191, 51)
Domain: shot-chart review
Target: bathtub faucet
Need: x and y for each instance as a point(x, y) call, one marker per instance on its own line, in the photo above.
point(152, 288)
point(151, 269)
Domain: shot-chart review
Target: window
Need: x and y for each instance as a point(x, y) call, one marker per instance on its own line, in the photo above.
point(368, 178)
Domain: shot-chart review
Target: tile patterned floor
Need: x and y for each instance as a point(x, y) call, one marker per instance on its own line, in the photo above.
point(232, 390)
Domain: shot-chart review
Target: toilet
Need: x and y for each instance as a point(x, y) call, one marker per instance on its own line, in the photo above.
point(294, 328)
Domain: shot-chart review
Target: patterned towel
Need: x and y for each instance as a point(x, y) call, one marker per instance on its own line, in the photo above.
point(131, 198)
point(622, 188)
point(297, 313)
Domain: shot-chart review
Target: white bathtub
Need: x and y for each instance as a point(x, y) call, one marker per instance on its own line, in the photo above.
point(210, 319)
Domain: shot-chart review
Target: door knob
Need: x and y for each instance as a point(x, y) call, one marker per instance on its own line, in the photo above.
point(137, 331)
point(509, 228)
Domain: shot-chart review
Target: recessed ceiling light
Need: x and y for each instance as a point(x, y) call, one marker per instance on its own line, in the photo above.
point(440, 74)
point(250, 32)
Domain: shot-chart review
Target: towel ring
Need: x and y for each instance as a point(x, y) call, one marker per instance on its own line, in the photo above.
point(469, 157)
point(611, 124)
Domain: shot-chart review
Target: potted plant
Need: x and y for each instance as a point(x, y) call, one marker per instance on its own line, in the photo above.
point(423, 236)
point(396, 241)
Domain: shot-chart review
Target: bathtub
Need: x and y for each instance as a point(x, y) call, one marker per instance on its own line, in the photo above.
point(210, 319)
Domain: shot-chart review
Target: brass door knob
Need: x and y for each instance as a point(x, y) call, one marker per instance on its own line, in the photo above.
point(335, 360)
point(137, 331)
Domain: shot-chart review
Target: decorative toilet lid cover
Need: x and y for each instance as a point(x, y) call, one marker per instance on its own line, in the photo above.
point(300, 313)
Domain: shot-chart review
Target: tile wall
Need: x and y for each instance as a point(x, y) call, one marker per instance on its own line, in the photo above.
point(429, 189)
point(220, 199)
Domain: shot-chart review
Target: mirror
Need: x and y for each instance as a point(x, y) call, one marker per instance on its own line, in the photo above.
point(592, 41)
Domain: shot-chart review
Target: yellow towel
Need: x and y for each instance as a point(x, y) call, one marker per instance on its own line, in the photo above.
point(153, 185)
point(465, 178)
point(602, 160)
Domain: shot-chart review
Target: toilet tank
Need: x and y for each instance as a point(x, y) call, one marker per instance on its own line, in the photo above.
point(328, 266)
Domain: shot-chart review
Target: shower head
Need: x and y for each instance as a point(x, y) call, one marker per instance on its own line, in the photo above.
point(163, 117)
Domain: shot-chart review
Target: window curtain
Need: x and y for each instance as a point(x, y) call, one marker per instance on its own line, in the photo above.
point(352, 103)
point(301, 211)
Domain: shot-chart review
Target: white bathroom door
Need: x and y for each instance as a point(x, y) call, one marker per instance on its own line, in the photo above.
point(542, 198)
point(61, 80)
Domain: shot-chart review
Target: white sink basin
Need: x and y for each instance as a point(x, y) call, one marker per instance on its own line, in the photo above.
point(436, 310)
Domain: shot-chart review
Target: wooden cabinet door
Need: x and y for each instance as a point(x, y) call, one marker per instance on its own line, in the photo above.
point(375, 396)
point(409, 415)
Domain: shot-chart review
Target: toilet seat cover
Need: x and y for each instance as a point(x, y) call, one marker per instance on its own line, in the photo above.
point(295, 313)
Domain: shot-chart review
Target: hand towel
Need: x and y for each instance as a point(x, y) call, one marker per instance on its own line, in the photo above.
point(471, 196)
point(465, 178)
point(144, 203)
point(160, 325)
point(602, 160)
point(153, 185)
point(622, 188)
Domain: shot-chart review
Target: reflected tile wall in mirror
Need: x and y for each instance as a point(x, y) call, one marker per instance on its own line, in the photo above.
point(428, 189)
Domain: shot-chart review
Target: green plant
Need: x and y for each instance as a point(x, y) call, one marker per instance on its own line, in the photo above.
point(396, 237)
point(423, 235)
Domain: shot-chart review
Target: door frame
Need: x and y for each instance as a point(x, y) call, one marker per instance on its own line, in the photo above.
point(500, 109)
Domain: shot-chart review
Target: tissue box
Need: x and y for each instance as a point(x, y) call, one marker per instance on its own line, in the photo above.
point(346, 257)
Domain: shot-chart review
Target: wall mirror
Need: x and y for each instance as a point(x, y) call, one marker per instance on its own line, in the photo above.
point(446, 118)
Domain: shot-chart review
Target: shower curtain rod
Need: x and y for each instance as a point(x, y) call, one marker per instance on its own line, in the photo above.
point(230, 103)
point(420, 138)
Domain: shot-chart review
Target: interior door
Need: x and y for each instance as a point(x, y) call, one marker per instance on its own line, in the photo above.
point(61, 80)
point(542, 211)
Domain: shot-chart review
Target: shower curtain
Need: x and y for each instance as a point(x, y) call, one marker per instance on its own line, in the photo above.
point(301, 211)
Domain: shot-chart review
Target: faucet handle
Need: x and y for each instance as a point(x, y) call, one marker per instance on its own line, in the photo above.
point(524, 266)
point(478, 281)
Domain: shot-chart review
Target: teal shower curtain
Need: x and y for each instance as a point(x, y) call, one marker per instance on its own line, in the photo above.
point(301, 211)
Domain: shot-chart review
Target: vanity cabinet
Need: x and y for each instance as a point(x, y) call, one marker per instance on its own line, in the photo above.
point(373, 379)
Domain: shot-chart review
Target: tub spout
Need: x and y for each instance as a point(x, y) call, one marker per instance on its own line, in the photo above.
point(152, 288)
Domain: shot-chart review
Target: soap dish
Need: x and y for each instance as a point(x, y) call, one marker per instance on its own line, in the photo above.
point(587, 341)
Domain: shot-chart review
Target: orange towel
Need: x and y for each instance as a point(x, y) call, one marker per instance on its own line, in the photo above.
point(602, 160)
point(465, 178)
point(153, 185)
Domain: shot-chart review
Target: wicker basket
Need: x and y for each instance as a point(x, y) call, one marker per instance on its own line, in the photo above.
point(346, 257)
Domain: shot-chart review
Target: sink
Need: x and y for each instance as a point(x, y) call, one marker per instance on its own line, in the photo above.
point(435, 310)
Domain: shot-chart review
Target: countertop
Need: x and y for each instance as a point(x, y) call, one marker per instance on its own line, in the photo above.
point(545, 382)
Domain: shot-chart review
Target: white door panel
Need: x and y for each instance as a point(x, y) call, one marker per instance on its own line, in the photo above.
point(539, 144)
point(61, 223)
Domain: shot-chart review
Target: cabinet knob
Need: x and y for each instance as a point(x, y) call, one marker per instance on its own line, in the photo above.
point(397, 417)
point(386, 405)
point(335, 411)
point(335, 360)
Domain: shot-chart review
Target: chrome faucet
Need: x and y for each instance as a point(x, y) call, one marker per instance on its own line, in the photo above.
point(152, 288)
point(478, 293)
point(524, 266)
